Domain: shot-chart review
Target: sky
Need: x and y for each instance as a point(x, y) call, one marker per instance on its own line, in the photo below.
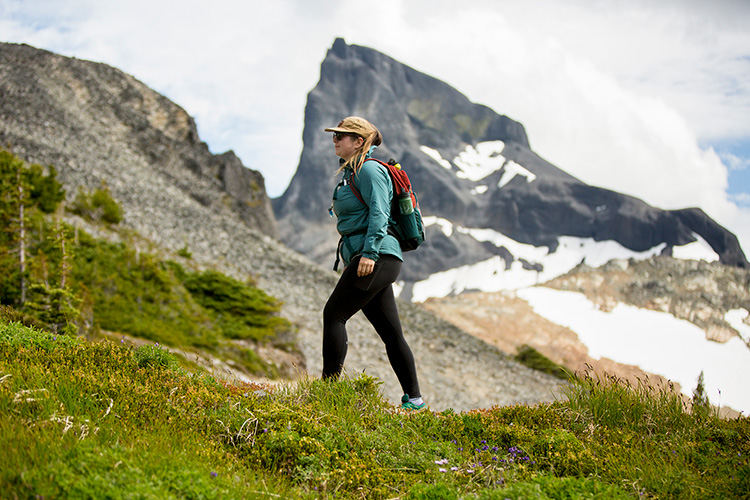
point(650, 99)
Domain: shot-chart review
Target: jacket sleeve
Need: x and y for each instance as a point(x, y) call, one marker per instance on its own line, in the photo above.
point(375, 186)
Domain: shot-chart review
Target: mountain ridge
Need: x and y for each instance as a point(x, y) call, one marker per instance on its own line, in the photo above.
point(46, 96)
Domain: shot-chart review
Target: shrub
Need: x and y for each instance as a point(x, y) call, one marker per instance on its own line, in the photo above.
point(45, 191)
point(137, 294)
point(155, 356)
point(97, 206)
point(242, 311)
point(535, 360)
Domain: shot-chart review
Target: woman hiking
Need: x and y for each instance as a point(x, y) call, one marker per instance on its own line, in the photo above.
point(372, 258)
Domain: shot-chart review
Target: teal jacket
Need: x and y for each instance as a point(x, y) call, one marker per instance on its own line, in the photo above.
point(363, 228)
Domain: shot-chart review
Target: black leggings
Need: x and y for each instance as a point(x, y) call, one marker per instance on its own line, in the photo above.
point(373, 295)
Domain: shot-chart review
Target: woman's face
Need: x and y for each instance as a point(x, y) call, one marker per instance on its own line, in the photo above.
point(346, 145)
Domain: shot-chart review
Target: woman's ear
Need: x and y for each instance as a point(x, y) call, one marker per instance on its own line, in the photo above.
point(360, 142)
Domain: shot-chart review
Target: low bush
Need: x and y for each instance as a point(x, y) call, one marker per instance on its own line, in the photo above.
point(535, 360)
point(98, 205)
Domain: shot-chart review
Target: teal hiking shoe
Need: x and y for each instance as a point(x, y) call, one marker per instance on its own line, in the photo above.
point(408, 405)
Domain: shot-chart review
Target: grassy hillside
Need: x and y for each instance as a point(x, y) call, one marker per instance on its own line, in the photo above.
point(105, 420)
point(63, 279)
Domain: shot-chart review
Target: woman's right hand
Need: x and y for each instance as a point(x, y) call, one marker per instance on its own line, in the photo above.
point(366, 266)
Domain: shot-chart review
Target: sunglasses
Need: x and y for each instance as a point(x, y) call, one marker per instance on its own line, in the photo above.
point(340, 135)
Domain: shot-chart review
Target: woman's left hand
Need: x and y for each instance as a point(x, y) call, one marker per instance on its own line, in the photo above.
point(366, 266)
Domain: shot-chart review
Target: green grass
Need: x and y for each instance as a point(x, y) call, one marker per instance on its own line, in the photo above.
point(101, 420)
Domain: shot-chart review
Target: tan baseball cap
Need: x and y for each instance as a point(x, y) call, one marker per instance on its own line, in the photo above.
point(354, 125)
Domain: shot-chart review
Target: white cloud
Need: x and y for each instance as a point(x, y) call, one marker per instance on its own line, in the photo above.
point(619, 94)
point(735, 162)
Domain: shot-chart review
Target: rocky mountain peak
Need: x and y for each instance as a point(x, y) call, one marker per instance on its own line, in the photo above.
point(484, 192)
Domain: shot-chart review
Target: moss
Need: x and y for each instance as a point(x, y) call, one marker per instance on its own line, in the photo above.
point(427, 112)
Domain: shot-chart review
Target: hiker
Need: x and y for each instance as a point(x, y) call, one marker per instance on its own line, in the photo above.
point(372, 257)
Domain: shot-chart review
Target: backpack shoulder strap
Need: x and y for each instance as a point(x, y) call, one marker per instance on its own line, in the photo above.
point(356, 192)
point(354, 188)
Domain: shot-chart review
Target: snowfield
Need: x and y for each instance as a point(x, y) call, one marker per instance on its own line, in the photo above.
point(655, 341)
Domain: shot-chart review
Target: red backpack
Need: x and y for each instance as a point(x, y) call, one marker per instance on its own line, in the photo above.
point(406, 218)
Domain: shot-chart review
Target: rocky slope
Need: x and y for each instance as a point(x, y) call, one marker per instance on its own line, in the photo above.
point(98, 125)
point(474, 170)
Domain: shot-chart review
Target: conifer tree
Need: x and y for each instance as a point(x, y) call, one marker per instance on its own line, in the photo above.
point(35, 263)
point(51, 297)
point(21, 237)
point(701, 404)
point(14, 201)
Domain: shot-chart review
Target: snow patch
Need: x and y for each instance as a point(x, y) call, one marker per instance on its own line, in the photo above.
point(445, 225)
point(398, 287)
point(513, 169)
point(491, 275)
point(697, 250)
point(529, 252)
point(435, 155)
point(477, 163)
point(479, 190)
point(655, 341)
